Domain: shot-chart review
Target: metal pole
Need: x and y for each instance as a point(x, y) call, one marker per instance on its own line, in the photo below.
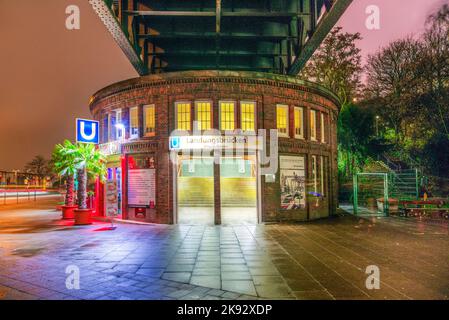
point(355, 193)
point(17, 192)
point(386, 200)
point(416, 182)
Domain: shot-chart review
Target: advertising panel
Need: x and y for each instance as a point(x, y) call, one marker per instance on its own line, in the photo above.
point(292, 182)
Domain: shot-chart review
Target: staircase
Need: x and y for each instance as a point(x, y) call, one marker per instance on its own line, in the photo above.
point(403, 180)
point(404, 177)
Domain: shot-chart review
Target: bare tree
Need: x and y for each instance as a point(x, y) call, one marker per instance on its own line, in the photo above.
point(392, 81)
point(337, 64)
point(433, 67)
point(39, 166)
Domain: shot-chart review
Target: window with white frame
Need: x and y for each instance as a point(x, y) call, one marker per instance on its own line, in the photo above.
point(183, 115)
point(282, 120)
point(322, 167)
point(313, 125)
point(299, 122)
point(204, 115)
point(111, 132)
point(133, 122)
point(119, 129)
point(322, 128)
point(248, 115)
point(105, 131)
point(227, 115)
point(149, 120)
point(314, 174)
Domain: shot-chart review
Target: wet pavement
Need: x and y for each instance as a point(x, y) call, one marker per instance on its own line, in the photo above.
point(324, 259)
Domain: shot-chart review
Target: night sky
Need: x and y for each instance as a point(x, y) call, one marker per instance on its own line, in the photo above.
point(48, 73)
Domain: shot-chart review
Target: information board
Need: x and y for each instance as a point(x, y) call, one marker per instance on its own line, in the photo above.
point(142, 187)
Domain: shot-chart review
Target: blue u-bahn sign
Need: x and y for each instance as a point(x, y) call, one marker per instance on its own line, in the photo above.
point(87, 131)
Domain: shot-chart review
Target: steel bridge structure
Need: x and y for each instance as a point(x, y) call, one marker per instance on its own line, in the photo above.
point(275, 36)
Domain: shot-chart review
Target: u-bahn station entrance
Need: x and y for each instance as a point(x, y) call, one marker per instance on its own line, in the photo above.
point(218, 129)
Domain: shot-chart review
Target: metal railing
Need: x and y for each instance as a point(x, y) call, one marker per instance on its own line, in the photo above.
point(15, 193)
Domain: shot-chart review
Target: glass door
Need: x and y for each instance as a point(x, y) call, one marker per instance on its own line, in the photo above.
point(238, 186)
point(195, 190)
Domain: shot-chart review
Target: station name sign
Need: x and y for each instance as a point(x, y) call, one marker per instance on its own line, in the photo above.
point(119, 147)
point(214, 142)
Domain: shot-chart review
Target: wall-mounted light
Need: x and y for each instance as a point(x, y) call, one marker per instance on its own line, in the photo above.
point(121, 127)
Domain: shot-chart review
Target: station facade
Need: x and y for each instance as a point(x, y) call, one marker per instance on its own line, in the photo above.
point(186, 147)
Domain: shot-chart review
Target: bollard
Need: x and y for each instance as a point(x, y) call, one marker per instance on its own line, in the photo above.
point(17, 196)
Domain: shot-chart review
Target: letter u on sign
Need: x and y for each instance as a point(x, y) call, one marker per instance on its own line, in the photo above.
point(87, 131)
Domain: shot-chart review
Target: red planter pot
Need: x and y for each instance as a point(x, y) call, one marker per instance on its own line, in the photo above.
point(83, 217)
point(68, 212)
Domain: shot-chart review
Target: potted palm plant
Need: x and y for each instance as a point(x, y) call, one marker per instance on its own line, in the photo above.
point(64, 164)
point(90, 162)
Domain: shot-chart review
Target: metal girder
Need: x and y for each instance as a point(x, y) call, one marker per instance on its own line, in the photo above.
point(213, 53)
point(113, 26)
point(274, 35)
point(213, 67)
point(169, 14)
point(237, 14)
point(323, 28)
point(192, 35)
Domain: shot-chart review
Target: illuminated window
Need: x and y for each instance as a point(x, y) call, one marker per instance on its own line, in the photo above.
point(299, 122)
point(322, 131)
point(203, 115)
point(282, 120)
point(149, 120)
point(110, 131)
point(133, 122)
point(314, 174)
point(118, 121)
point(227, 115)
point(313, 125)
point(248, 116)
point(183, 116)
point(105, 131)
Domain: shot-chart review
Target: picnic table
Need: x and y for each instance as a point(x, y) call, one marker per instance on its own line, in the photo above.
point(425, 208)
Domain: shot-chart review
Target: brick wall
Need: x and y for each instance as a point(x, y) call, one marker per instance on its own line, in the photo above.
point(267, 91)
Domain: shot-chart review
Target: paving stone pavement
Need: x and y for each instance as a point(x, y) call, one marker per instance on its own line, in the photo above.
point(325, 259)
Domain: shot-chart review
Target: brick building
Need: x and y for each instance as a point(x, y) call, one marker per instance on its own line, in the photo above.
point(138, 116)
point(218, 129)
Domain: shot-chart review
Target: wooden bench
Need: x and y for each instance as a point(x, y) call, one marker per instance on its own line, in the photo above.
point(417, 208)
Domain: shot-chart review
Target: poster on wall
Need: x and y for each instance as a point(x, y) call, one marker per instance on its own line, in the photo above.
point(141, 182)
point(111, 198)
point(292, 180)
point(142, 187)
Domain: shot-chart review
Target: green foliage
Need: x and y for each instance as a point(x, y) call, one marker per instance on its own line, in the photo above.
point(69, 158)
point(82, 160)
point(64, 159)
point(356, 138)
point(408, 88)
point(88, 158)
point(436, 154)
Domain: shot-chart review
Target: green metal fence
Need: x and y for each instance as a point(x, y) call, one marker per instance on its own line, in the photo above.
point(371, 194)
point(380, 193)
